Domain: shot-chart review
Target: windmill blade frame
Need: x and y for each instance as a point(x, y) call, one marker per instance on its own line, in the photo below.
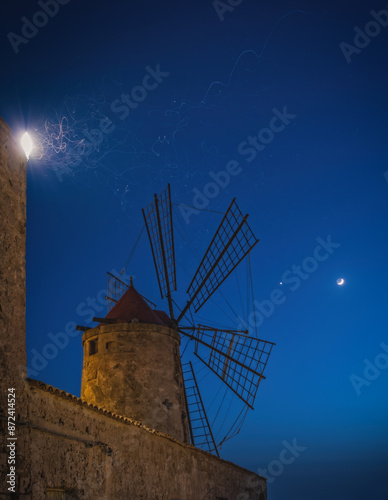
point(237, 359)
point(158, 220)
point(232, 241)
point(195, 408)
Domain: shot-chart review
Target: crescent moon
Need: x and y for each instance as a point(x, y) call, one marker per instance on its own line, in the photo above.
point(340, 281)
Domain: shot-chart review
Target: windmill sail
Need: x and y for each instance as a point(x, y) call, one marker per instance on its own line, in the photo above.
point(230, 244)
point(158, 220)
point(238, 360)
point(200, 432)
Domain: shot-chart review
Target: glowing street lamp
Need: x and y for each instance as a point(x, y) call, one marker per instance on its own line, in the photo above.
point(27, 144)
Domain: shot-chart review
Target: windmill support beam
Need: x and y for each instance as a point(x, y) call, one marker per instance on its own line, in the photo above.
point(108, 321)
point(153, 252)
point(164, 258)
point(211, 329)
point(82, 328)
point(227, 360)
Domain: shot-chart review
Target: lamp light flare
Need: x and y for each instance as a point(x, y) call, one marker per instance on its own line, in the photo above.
point(27, 144)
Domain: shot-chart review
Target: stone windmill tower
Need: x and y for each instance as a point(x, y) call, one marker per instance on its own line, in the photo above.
point(132, 366)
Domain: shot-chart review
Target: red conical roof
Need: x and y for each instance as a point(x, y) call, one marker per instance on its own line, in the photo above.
point(132, 306)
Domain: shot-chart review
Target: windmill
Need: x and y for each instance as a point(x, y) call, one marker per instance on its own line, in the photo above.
point(238, 360)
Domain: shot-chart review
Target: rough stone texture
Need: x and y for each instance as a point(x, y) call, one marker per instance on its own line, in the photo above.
point(137, 372)
point(12, 292)
point(97, 456)
point(64, 443)
point(12, 256)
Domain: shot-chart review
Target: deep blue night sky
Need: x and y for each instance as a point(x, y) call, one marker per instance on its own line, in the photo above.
point(223, 79)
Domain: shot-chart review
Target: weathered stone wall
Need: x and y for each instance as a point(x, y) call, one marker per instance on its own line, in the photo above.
point(12, 295)
point(97, 457)
point(12, 261)
point(137, 372)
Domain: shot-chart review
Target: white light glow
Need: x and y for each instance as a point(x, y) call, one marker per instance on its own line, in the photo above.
point(340, 281)
point(27, 144)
